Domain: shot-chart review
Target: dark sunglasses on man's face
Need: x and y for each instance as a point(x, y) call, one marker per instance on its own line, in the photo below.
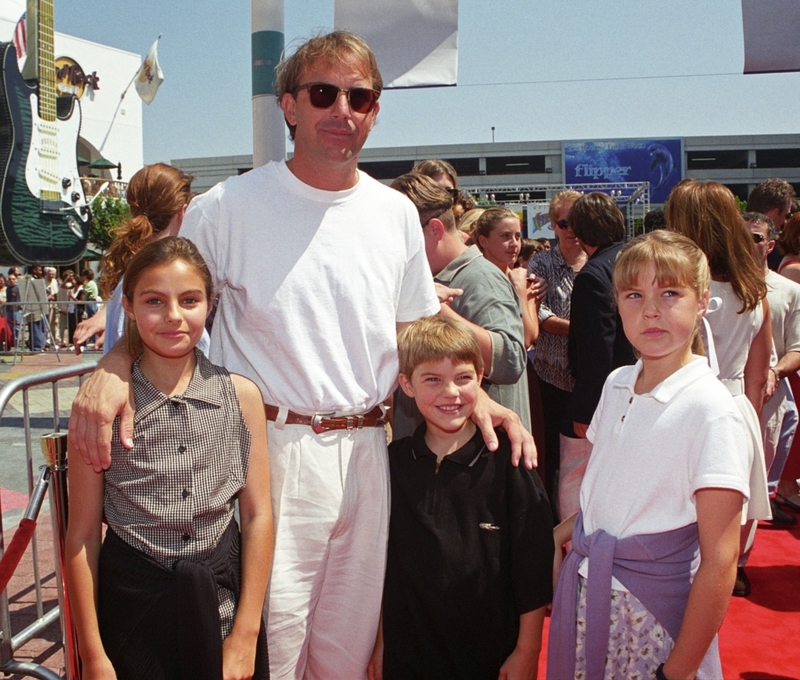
point(563, 224)
point(758, 238)
point(324, 95)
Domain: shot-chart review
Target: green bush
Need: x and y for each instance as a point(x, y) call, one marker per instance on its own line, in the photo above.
point(107, 213)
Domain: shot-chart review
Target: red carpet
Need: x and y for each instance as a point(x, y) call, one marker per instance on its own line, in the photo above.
point(760, 638)
point(12, 500)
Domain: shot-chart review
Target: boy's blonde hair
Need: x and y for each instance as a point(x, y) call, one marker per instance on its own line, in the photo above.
point(677, 260)
point(434, 338)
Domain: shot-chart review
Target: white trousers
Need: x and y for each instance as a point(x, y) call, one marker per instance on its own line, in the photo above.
point(330, 498)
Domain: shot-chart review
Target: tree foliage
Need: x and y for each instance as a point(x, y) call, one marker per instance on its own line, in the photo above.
point(107, 213)
point(742, 204)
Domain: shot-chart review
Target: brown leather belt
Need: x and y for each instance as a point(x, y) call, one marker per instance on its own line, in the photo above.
point(323, 422)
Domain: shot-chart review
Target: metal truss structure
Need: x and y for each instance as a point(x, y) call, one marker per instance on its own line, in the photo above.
point(633, 198)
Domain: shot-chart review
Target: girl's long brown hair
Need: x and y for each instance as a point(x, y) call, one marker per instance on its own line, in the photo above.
point(155, 195)
point(708, 214)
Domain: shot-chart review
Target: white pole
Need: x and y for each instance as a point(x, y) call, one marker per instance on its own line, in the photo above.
point(269, 129)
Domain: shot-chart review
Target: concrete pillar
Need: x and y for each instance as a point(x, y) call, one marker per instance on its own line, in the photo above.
point(267, 41)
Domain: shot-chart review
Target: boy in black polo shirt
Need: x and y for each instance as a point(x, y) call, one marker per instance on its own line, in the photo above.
point(469, 568)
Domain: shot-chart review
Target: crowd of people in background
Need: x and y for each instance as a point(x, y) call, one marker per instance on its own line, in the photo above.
point(39, 317)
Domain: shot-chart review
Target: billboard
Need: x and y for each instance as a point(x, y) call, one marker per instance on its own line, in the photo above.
point(657, 161)
point(539, 220)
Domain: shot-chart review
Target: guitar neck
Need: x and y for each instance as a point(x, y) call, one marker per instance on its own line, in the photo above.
point(47, 62)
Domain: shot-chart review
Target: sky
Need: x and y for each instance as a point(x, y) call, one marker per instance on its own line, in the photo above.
point(532, 69)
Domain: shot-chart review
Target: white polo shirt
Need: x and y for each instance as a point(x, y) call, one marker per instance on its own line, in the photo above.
point(653, 451)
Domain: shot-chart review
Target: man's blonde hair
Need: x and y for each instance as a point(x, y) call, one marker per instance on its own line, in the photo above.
point(434, 338)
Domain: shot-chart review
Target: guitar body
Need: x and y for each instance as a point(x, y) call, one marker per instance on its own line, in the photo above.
point(43, 214)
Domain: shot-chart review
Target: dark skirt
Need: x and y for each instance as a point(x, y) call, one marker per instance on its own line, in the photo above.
point(163, 624)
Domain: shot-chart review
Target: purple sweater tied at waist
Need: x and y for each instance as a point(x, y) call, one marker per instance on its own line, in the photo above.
point(655, 568)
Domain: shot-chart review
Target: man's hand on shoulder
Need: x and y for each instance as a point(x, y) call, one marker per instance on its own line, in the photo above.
point(106, 394)
point(489, 414)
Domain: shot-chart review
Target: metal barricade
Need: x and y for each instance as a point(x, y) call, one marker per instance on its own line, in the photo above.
point(24, 322)
point(10, 642)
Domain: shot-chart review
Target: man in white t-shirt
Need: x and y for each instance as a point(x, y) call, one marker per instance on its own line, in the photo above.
point(317, 266)
point(779, 414)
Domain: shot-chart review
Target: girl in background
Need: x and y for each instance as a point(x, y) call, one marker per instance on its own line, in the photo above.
point(157, 195)
point(741, 331)
point(498, 234)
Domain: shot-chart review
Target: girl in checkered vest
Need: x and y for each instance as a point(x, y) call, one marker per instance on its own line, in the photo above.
point(175, 589)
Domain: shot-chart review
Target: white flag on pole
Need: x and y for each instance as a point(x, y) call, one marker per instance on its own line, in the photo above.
point(415, 41)
point(149, 76)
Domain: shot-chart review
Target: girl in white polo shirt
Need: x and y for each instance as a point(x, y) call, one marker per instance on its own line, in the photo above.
point(664, 485)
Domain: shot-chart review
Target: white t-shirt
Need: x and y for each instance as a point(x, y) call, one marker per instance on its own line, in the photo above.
point(653, 451)
point(311, 285)
point(783, 296)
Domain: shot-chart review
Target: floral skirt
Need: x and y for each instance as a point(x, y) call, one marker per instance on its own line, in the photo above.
point(637, 643)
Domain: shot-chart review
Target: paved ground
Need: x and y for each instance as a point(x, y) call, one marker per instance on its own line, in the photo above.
point(45, 648)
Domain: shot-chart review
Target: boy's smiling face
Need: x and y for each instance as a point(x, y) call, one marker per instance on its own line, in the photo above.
point(445, 391)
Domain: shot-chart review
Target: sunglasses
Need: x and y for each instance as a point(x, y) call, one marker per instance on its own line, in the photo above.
point(324, 95)
point(758, 238)
point(562, 224)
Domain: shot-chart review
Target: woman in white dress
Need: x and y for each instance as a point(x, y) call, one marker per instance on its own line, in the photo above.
point(741, 331)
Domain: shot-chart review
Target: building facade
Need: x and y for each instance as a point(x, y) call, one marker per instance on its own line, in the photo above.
point(739, 162)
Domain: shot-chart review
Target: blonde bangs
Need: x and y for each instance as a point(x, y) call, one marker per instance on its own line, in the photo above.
point(676, 259)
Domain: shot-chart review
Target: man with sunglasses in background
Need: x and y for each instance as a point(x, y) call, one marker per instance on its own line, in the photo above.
point(779, 413)
point(317, 266)
point(773, 198)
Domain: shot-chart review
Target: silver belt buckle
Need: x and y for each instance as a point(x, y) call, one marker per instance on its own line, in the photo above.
point(316, 422)
point(355, 422)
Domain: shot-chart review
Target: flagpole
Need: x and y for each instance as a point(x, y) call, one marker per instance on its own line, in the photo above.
point(267, 42)
point(119, 104)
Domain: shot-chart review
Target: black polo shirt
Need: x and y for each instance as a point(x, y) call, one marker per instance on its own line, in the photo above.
point(470, 550)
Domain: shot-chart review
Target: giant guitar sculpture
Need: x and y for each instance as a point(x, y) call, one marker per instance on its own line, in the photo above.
point(43, 213)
